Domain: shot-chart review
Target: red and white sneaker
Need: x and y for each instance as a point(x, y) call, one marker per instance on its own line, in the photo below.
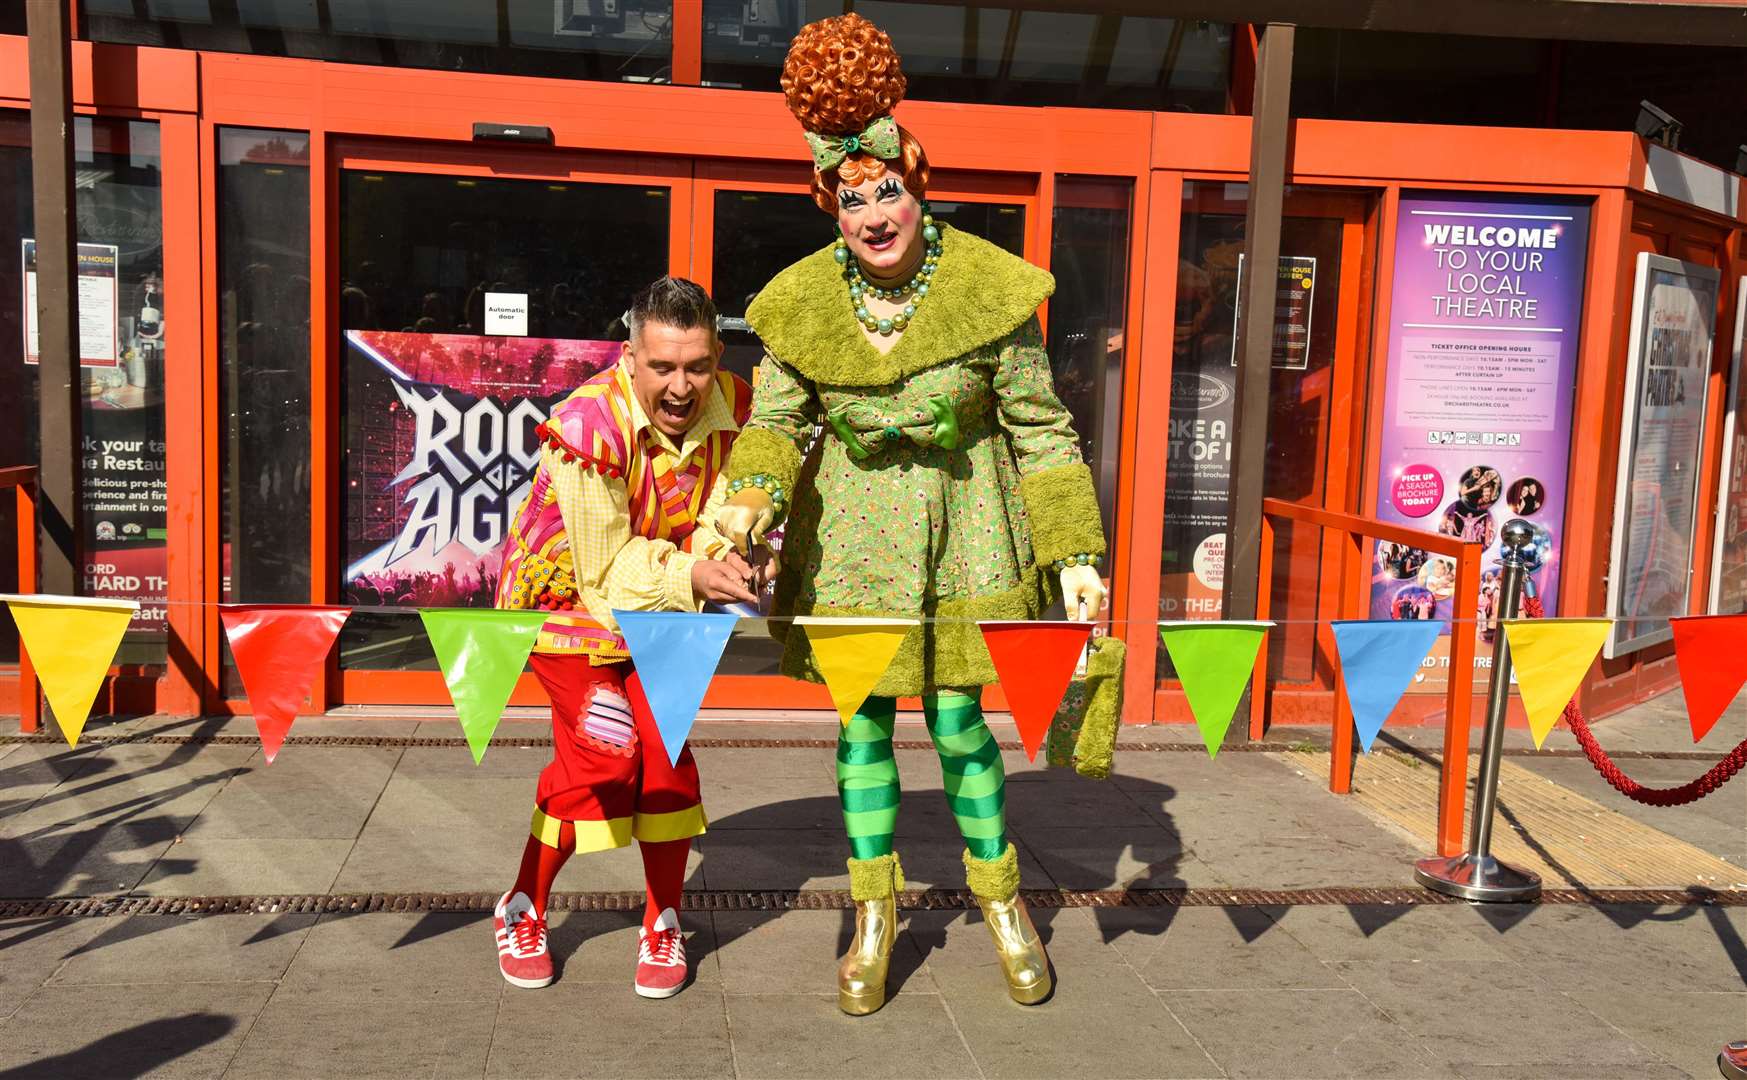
point(522, 955)
point(661, 967)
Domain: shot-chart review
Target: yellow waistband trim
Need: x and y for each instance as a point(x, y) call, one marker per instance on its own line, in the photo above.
point(678, 825)
point(590, 835)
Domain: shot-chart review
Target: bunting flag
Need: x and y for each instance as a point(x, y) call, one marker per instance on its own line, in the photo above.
point(1550, 657)
point(482, 653)
point(1711, 652)
point(1214, 661)
point(71, 640)
point(676, 653)
point(1035, 661)
point(1379, 658)
point(280, 651)
point(852, 654)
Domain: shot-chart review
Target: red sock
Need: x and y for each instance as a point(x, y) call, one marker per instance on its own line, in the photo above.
point(663, 876)
point(540, 865)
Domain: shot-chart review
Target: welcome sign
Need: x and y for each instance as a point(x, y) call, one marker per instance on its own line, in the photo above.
point(1486, 304)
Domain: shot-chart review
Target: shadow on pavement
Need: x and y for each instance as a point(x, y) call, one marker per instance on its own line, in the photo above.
point(136, 1051)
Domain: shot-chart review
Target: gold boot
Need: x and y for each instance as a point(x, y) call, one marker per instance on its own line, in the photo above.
point(1023, 961)
point(861, 974)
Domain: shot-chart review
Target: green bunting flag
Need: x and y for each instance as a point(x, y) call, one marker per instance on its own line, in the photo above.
point(482, 653)
point(1213, 661)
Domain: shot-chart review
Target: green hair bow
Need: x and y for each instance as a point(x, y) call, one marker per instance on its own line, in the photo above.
point(879, 138)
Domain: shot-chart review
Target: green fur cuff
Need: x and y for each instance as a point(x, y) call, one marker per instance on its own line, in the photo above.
point(876, 879)
point(760, 450)
point(1096, 749)
point(995, 879)
point(1063, 510)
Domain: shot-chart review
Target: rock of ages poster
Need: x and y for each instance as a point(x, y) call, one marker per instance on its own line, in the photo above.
point(1476, 425)
point(440, 451)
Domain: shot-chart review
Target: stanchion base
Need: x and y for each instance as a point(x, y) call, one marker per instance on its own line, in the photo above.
point(1732, 1062)
point(1483, 878)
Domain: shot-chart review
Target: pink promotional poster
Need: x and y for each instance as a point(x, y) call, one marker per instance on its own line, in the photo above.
point(1486, 304)
point(440, 450)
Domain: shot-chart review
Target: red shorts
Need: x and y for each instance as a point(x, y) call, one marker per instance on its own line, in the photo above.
point(611, 793)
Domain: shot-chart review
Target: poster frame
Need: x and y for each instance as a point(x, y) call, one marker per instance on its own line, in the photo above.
point(1731, 422)
point(1617, 644)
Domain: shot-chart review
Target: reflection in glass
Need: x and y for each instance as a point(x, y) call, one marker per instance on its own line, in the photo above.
point(994, 55)
point(120, 230)
point(1203, 404)
point(468, 308)
point(612, 40)
point(1089, 257)
point(263, 374)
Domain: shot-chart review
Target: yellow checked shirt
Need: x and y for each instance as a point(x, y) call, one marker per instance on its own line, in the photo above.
point(613, 566)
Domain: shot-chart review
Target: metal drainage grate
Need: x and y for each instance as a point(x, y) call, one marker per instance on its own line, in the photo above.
point(812, 900)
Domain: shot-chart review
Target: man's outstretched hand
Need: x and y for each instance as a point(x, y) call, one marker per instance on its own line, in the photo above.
point(723, 580)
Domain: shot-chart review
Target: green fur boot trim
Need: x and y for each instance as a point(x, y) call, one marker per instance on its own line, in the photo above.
point(1096, 749)
point(876, 879)
point(993, 879)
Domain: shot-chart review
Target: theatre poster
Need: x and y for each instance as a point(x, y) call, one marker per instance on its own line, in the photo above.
point(1485, 305)
point(1662, 436)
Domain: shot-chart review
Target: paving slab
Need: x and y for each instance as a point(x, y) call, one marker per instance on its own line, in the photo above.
point(584, 1029)
point(1507, 1015)
point(521, 763)
point(1688, 949)
point(738, 798)
point(32, 770)
point(168, 948)
point(1301, 1035)
point(93, 862)
point(1201, 948)
point(33, 950)
point(789, 1035)
point(216, 866)
point(796, 952)
point(308, 793)
point(129, 783)
point(100, 1032)
point(1683, 1028)
point(1101, 1018)
point(365, 1036)
point(413, 958)
point(1118, 857)
point(1381, 932)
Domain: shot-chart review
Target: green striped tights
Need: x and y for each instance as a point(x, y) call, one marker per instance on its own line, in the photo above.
point(970, 766)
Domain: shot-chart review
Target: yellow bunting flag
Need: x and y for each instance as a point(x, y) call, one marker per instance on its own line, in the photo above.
point(1551, 657)
point(853, 654)
point(71, 640)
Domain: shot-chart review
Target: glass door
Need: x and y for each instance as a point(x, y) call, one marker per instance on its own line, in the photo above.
point(475, 289)
point(1311, 441)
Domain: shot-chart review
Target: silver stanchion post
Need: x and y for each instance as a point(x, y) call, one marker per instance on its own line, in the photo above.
point(1476, 875)
point(1732, 1062)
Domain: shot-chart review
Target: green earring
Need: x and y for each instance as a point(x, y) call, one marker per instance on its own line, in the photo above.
point(841, 251)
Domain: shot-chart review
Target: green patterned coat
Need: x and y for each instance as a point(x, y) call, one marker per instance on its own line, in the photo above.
point(897, 525)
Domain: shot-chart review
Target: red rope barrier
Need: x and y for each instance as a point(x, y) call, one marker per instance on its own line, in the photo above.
point(1691, 791)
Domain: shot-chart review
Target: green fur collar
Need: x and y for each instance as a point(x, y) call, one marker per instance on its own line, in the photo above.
point(980, 294)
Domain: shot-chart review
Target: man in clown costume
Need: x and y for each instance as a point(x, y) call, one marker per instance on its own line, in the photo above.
point(629, 463)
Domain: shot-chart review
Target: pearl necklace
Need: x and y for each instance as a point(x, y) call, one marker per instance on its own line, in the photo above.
point(916, 288)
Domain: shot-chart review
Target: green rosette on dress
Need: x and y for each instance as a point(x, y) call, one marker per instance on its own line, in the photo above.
point(894, 510)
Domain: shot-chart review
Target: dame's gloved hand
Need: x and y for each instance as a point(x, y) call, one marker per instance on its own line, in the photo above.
point(743, 519)
point(1083, 592)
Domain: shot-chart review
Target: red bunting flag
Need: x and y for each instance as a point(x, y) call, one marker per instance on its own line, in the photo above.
point(280, 651)
point(1035, 661)
point(1711, 652)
